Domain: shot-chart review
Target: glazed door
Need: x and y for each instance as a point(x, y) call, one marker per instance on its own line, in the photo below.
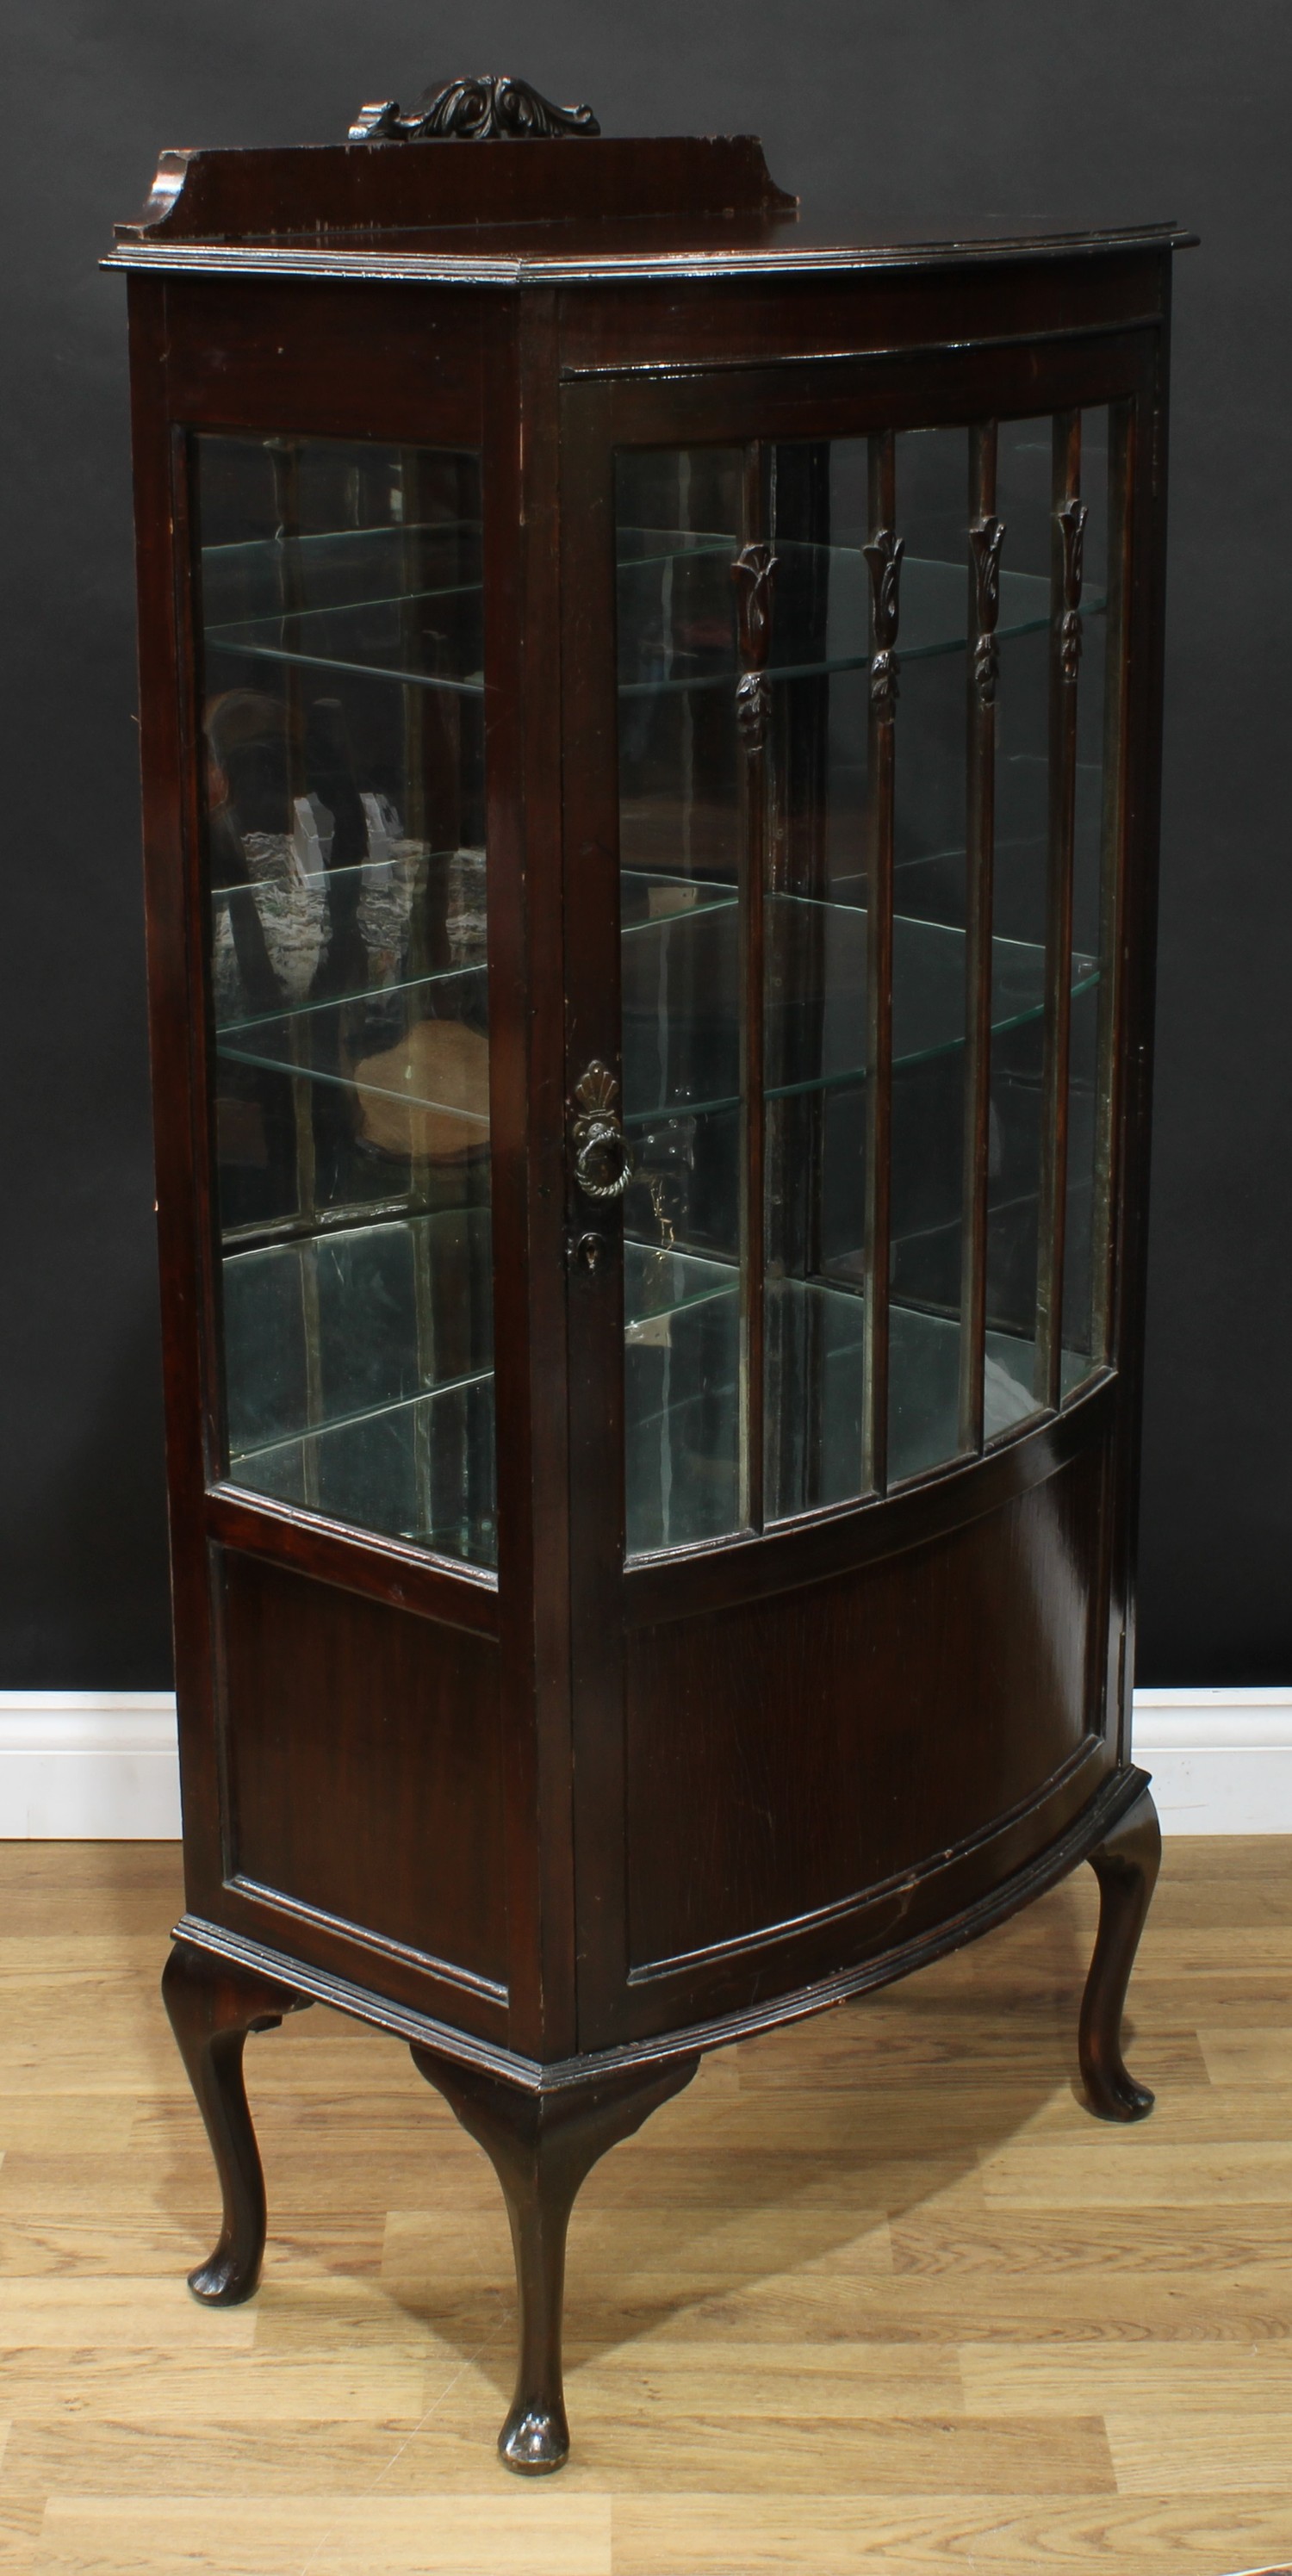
point(844, 876)
point(324, 510)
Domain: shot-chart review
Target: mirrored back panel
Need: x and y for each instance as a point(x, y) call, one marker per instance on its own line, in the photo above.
point(341, 620)
point(869, 728)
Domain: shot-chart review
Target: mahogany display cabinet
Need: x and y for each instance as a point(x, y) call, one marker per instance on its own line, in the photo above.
point(650, 748)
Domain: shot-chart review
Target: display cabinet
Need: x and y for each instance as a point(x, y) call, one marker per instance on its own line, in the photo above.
point(650, 738)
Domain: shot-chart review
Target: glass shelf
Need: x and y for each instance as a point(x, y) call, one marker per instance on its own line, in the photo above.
point(682, 1362)
point(343, 1039)
point(388, 1445)
point(394, 1424)
point(361, 595)
point(660, 1283)
point(697, 951)
point(365, 630)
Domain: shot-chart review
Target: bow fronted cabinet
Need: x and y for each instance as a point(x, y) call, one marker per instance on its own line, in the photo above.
point(650, 748)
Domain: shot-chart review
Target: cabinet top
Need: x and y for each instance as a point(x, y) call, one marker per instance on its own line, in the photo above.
point(505, 189)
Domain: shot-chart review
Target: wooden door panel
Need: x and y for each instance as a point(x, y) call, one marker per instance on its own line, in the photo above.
point(785, 1758)
point(363, 1771)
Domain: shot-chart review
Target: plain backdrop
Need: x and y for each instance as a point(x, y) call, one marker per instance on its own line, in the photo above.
point(1085, 109)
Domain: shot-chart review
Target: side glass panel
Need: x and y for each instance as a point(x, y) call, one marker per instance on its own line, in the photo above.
point(868, 742)
point(340, 603)
point(1093, 896)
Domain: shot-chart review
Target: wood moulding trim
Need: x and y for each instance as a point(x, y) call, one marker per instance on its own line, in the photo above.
point(316, 1917)
point(439, 1588)
point(1083, 1836)
point(684, 370)
point(888, 1900)
point(728, 261)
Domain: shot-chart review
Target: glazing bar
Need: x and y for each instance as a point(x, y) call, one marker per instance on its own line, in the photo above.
point(883, 554)
point(986, 536)
point(1121, 435)
point(753, 574)
point(1067, 534)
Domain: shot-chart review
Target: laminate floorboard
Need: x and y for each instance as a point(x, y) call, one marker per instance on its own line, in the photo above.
point(874, 2294)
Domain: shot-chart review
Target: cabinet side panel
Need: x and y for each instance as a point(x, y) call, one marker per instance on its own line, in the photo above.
point(363, 1764)
point(786, 1758)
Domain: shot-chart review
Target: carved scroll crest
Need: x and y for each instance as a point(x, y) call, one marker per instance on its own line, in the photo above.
point(490, 107)
point(1072, 528)
point(985, 541)
point(752, 573)
point(884, 562)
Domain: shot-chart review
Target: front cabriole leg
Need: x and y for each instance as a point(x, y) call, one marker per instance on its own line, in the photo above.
point(542, 2146)
point(212, 2006)
point(1126, 1866)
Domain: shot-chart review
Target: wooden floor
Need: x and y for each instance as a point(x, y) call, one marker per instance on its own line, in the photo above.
point(876, 2293)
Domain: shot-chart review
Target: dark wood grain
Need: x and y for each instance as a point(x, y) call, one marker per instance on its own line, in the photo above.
point(276, 194)
point(211, 2008)
point(527, 1041)
point(1126, 1865)
point(363, 1755)
point(785, 1758)
point(542, 2146)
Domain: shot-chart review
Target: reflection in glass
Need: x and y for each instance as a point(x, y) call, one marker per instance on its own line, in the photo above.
point(752, 813)
point(342, 652)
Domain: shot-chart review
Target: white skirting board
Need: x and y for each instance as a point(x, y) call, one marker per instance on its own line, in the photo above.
point(100, 1766)
point(88, 1766)
point(1221, 1759)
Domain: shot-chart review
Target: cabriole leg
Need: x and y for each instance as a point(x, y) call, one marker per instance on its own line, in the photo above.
point(211, 2008)
point(542, 2147)
point(1126, 1866)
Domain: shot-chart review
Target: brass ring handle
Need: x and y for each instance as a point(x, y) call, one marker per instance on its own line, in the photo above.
point(603, 1163)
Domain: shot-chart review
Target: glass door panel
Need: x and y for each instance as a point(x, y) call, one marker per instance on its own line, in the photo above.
point(869, 844)
point(340, 606)
point(682, 889)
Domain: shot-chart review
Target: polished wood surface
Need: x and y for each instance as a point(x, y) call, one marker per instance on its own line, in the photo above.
point(542, 2148)
point(277, 194)
point(363, 1749)
point(937, 1647)
point(1126, 1865)
point(513, 1818)
point(872, 2293)
point(211, 2010)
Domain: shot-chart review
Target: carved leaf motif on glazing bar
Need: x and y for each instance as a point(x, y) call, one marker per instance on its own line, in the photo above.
point(1072, 528)
point(985, 541)
point(884, 562)
point(753, 573)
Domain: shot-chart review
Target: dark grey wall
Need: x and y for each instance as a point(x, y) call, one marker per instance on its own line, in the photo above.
point(1084, 107)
